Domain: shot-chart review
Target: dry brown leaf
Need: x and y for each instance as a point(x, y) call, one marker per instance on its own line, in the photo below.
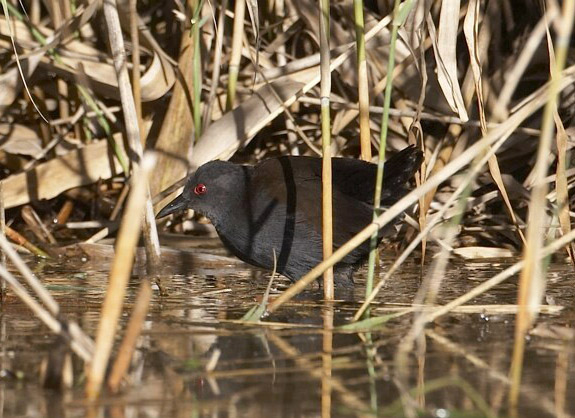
point(470, 29)
point(76, 168)
point(471, 253)
point(10, 81)
point(237, 127)
point(19, 139)
point(155, 82)
point(177, 132)
point(444, 47)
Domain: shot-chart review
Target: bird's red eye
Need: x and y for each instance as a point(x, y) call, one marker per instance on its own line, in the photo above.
point(200, 189)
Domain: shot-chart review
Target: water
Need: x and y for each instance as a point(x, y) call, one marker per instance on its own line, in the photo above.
point(459, 368)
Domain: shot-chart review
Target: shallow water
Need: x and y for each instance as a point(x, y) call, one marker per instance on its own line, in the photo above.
point(459, 368)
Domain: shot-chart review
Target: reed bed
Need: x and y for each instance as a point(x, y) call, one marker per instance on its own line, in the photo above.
point(485, 91)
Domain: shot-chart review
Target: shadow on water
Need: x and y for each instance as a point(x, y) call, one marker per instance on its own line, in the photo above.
point(194, 359)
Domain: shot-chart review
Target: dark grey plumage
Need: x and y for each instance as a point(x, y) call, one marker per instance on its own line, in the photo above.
point(276, 205)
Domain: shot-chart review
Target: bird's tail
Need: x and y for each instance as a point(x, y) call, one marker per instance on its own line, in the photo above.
point(397, 171)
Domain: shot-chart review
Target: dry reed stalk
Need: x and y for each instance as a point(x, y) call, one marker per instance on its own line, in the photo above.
point(81, 344)
point(131, 123)
point(216, 64)
point(533, 279)
point(22, 241)
point(197, 67)
point(292, 129)
point(44, 315)
point(57, 19)
point(437, 217)
point(32, 219)
point(326, 178)
point(499, 278)
point(119, 275)
point(236, 53)
point(65, 212)
point(136, 85)
point(30, 278)
point(362, 82)
point(3, 233)
point(532, 104)
point(427, 294)
point(349, 398)
point(133, 331)
point(561, 183)
point(561, 379)
point(477, 44)
point(326, 362)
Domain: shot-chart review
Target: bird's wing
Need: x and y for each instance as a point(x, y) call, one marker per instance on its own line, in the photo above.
point(300, 199)
point(352, 177)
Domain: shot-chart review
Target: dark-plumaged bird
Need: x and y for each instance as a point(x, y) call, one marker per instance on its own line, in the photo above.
point(276, 206)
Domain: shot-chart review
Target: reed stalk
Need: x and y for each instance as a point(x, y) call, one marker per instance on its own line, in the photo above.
point(382, 144)
point(197, 68)
point(116, 40)
point(362, 82)
point(532, 280)
point(325, 90)
point(236, 54)
point(216, 65)
point(3, 233)
point(119, 275)
point(537, 100)
point(438, 217)
point(79, 342)
point(136, 85)
point(327, 362)
point(133, 331)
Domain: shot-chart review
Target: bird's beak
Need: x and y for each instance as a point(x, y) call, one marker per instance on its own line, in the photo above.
point(179, 203)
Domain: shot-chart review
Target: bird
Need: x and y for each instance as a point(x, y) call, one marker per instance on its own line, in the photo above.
point(275, 207)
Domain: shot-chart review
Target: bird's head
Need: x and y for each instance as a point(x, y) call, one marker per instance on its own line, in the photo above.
point(211, 190)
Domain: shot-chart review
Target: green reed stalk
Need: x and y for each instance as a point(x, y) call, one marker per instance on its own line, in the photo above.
point(382, 143)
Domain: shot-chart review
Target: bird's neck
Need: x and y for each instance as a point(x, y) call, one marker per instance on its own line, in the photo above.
point(235, 224)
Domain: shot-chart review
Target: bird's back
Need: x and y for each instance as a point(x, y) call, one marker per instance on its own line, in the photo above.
point(285, 207)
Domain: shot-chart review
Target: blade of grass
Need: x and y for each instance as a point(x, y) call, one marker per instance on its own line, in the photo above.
point(255, 313)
